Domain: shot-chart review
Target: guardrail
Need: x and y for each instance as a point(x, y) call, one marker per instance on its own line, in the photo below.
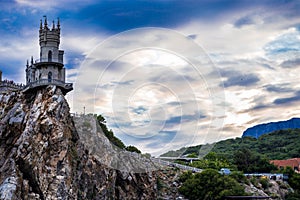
point(46, 60)
point(11, 85)
point(44, 82)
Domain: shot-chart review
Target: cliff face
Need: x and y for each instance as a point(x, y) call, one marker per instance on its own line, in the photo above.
point(43, 157)
point(261, 129)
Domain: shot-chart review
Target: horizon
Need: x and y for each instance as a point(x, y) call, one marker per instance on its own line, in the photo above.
point(167, 74)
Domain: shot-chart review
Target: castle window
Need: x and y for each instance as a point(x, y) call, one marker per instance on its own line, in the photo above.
point(50, 56)
point(50, 77)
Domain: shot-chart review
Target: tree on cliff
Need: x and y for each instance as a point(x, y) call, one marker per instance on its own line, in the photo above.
point(112, 138)
point(132, 149)
point(109, 133)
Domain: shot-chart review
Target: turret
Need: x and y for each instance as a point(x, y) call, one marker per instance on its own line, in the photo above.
point(49, 43)
point(49, 69)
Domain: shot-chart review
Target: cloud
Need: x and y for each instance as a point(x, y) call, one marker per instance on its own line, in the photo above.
point(243, 21)
point(139, 110)
point(280, 88)
point(49, 5)
point(236, 78)
point(288, 100)
point(258, 107)
point(294, 63)
point(285, 46)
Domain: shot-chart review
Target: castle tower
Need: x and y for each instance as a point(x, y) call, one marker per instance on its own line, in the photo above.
point(49, 69)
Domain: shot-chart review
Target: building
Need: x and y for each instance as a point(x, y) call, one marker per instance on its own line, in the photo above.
point(294, 163)
point(9, 85)
point(49, 68)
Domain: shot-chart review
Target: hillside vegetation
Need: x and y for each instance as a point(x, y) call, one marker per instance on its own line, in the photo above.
point(280, 144)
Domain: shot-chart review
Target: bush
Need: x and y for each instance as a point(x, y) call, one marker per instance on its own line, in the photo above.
point(264, 183)
point(239, 177)
point(185, 176)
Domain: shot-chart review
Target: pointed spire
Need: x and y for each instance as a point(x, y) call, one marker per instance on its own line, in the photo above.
point(31, 59)
point(58, 24)
point(27, 63)
point(53, 25)
point(41, 25)
point(45, 23)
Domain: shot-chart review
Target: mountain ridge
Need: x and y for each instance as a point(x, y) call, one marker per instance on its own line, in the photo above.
point(260, 129)
point(278, 144)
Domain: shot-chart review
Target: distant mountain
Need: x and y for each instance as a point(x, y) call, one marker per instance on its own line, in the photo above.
point(278, 145)
point(261, 129)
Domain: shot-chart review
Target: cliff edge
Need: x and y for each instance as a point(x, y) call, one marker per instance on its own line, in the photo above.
point(43, 156)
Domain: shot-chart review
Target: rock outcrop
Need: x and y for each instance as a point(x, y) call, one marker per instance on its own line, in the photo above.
point(43, 157)
point(261, 129)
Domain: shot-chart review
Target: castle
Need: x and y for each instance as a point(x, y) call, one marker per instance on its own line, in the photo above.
point(48, 69)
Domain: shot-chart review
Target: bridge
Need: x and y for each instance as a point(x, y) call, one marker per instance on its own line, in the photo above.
point(186, 159)
point(172, 164)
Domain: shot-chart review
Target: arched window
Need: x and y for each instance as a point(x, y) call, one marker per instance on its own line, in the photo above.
point(50, 77)
point(50, 56)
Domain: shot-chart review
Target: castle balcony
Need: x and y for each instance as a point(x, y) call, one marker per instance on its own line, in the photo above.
point(66, 87)
point(57, 62)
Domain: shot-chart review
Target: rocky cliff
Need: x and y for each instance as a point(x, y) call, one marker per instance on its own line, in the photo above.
point(43, 156)
point(261, 129)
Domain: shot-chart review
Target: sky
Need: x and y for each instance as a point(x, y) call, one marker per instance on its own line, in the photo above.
point(167, 74)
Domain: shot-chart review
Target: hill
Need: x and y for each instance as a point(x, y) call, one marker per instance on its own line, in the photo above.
point(261, 129)
point(280, 144)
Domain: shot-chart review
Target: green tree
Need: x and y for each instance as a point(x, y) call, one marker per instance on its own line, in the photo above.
point(185, 176)
point(250, 162)
point(294, 182)
point(132, 149)
point(192, 155)
point(210, 184)
point(212, 161)
point(109, 133)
